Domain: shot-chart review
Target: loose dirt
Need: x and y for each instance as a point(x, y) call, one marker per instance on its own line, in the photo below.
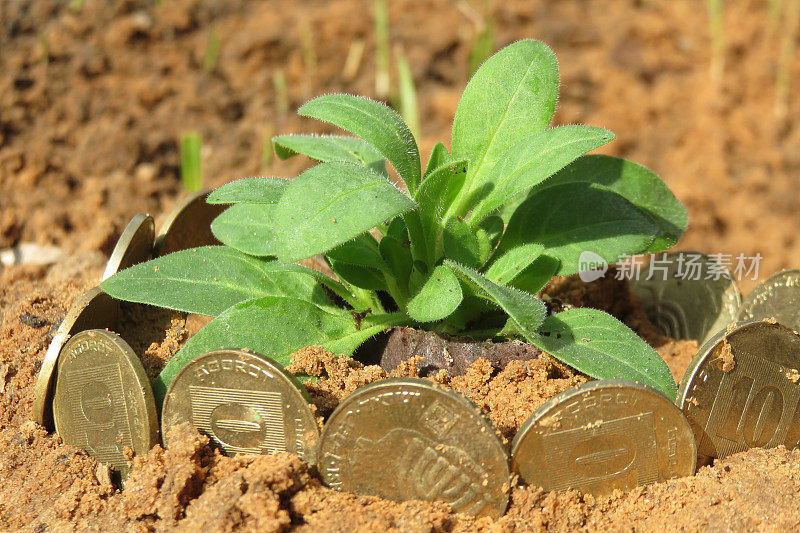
point(93, 103)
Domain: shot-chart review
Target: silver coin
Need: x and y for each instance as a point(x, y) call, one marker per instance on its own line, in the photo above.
point(688, 295)
point(776, 297)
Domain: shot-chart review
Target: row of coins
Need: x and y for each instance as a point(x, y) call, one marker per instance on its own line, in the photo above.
point(410, 439)
point(91, 386)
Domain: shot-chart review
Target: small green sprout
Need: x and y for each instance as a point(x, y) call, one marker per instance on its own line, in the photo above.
point(191, 164)
point(464, 250)
point(212, 53)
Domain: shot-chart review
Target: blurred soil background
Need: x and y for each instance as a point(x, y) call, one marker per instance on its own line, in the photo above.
point(96, 95)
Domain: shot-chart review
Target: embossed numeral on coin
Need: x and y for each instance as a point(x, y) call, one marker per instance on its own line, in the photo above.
point(754, 403)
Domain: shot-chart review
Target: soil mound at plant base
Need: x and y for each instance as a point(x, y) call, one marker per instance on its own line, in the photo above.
point(45, 484)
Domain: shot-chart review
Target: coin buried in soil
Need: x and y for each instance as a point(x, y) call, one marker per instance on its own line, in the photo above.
point(410, 439)
point(689, 295)
point(189, 225)
point(604, 435)
point(134, 246)
point(243, 401)
point(776, 297)
point(742, 390)
point(103, 402)
point(94, 310)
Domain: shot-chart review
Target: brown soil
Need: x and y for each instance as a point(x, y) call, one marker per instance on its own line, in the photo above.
point(88, 137)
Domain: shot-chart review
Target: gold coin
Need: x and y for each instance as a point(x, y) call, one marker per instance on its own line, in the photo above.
point(134, 246)
point(244, 402)
point(189, 225)
point(410, 439)
point(776, 297)
point(742, 390)
point(103, 402)
point(93, 310)
point(688, 295)
point(604, 435)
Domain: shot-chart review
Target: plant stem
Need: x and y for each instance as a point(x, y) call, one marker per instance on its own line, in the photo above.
point(191, 164)
point(408, 93)
point(212, 53)
point(783, 78)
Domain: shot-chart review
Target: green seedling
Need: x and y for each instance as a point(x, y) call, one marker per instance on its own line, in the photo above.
point(212, 53)
point(407, 94)
point(382, 79)
point(464, 250)
point(483, 40)
point(191, 164)
point(786, 58)
point(281, 93)
point(716, 27)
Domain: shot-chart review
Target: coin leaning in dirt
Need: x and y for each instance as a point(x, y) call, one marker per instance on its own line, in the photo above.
point(688, 295)
point(103, 402)
point(742, 390)
point(189, 225)
point(776, 297)
point(94, 310)
point(411, 439)
point(604, 435)
point(244, 402)
point(135, 245)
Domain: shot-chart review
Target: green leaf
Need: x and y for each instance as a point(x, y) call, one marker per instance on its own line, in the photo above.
point(637, 184)
point(512, 263)
point(359, 262)
point(210, 279)
point(439, 296)
point(249, 191)
point(602, 347)
point(330, 204)
point(526, 310)
point(397, 229)
point(247, 227)
point(330, 148)
point(434, 196)
point(363, 250)
point(493, 226)
point(572, 218)
point(531, 161)
point(461, 244)
point(512, 95)
point(537, 275)
point(276, 327)
point(439, 157)
point(375, 123)
point(397, 257)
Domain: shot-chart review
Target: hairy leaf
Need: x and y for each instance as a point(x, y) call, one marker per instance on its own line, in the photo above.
point(439, 296)
point(526, 310)
point(461, 244)
point(377, 124)
point(249, 191)
point(599, 345)
point(434, 196)
point(439, 156)
point(330, 148)
point(512, 263)
point(572, 218)
point(637, 184)
point(276, 327)
point(532, 160)
point(537, 275)
point(363, 250)
point(397, 257)
point(247, 227)
point(512, 95)
point(210, 279)
point(330, 204)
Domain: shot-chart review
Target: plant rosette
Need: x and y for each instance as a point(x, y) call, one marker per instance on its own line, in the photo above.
point(464, 250)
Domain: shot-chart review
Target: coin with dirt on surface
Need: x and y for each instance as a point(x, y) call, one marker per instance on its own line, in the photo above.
point(93, 310)
point(103, 402)
point(688, 295)
point(777, 297)
point(189, 225)
point(411, 439)
point(134, 246)
point(244, 402)
point(604, 435)
point(742, 390)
